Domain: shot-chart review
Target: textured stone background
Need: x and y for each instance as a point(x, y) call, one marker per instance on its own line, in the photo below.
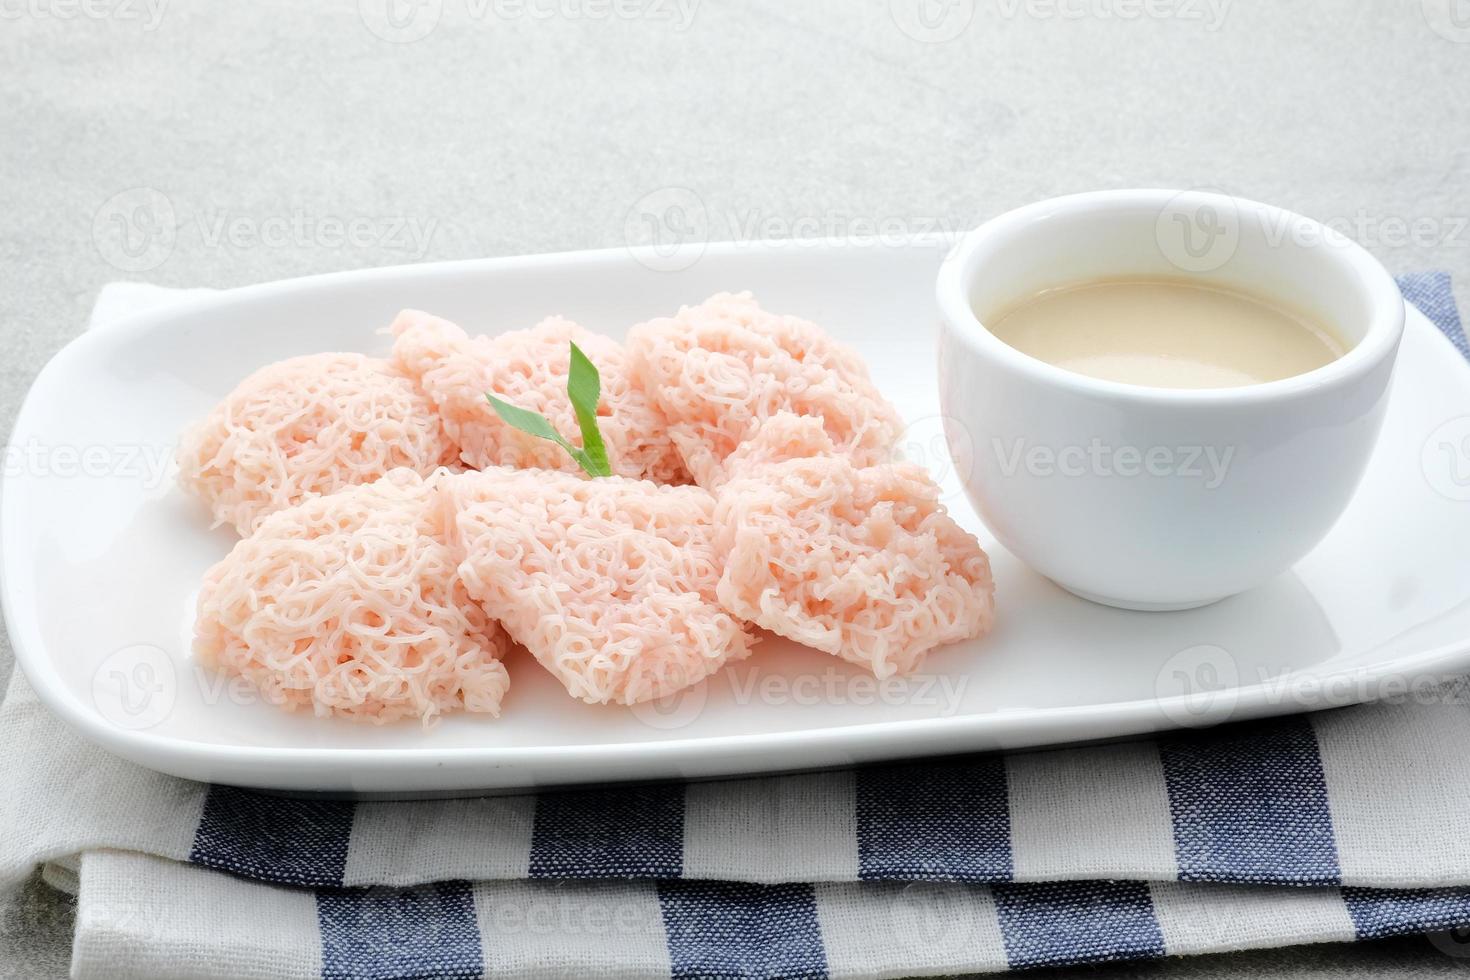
point(196, 143)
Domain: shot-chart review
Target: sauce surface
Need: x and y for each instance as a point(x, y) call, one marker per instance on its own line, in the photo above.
point(1166, 334)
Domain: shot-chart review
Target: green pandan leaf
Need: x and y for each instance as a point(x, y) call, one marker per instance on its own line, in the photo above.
point(584, 389)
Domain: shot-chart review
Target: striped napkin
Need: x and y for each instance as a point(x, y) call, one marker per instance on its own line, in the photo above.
point(1348, 824)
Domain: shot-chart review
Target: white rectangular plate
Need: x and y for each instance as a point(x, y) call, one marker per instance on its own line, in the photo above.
point(103, 557)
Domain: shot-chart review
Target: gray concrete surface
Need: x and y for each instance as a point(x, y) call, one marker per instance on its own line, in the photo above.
point(196, 143)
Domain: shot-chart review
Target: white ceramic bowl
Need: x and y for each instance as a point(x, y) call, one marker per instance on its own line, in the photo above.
point(1159, 498)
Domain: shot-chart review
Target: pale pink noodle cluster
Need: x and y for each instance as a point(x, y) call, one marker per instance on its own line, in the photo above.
point(610, 583)
point(781, 437)
point(860, 562)
point(720, 369)
point(528, 368)
point(304, 427)
point(351, 606)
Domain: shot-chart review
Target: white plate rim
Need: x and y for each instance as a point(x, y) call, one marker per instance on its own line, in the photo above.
point(719, 754)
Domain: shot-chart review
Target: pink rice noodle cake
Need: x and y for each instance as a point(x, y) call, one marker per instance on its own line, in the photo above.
point(720, 369)
point(305, 427)
point(350, 606)
point(860, 562)
point(528, 368)
point(610, 583)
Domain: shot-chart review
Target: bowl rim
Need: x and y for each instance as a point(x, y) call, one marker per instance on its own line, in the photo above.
point(1386, 312)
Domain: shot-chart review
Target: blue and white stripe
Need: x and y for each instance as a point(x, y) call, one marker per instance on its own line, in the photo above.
point(1296, 801)
point(636, 928)
point(1186, 844)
